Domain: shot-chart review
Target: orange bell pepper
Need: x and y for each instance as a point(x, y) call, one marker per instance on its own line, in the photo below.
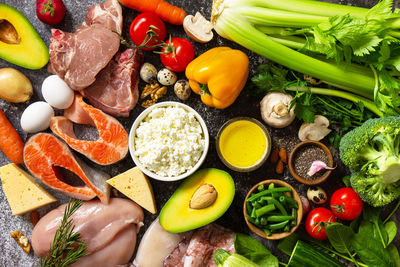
point(218, 76)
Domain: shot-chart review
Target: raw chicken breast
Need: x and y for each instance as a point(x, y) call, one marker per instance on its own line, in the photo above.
point(109, 231)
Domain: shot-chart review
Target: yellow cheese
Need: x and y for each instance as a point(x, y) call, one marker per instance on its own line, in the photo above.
point(135, 185)
point(23, 192)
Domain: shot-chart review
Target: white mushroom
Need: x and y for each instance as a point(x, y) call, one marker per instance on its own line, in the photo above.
point(275, 109)
point(314, 131)
point(198, 28)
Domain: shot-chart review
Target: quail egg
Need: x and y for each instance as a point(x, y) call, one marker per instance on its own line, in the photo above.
point(317, 195)
point(166, 77)
point(182, 89)
point(148, 72)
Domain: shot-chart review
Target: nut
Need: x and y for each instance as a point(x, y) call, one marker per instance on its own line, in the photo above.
point(203, 197)
point(149, 89)
point(34, 217)
point(283, 155)
point(22, 241)
point(160, 92)
point(274, 156)
point(182, 89)
point(155, 92)
point(148, 103)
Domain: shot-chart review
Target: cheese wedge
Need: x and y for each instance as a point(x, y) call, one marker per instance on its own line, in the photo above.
point(23, 192)
point(135, 185)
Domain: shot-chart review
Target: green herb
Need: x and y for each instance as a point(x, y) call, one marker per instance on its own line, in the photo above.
point(394, 254)
point(254, 251)
point(391, 231)
point(67, 246)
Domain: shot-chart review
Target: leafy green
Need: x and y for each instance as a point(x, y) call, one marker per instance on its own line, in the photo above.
point(287, 244)
point(339, 236)
point(391, 231)
point(394, 254)
point(254, 251)
point(371, 251)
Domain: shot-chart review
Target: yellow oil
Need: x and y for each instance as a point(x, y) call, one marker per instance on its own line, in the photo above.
point(242, 143)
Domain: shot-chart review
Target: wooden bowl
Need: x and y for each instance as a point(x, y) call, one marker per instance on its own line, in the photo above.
point(298, 177)
point(259, 231)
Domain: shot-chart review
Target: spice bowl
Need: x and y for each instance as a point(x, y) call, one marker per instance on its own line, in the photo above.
point(298, 166)
point(134, 139)
point(243, 144)
point(292, 193)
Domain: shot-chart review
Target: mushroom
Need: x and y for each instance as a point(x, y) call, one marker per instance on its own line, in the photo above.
point(198, 28)
point(275, 109)
point(314, 131)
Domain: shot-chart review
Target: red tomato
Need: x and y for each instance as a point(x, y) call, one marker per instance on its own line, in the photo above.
point(316, 222)
point(346, 204)
point(184, 53)
point(141, 25)
point(50, 11)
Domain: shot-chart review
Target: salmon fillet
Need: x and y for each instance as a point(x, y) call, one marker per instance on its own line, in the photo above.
point(44, 154)
point(112, 144)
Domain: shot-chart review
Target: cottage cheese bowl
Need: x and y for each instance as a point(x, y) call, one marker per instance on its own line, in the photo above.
point(168, 141)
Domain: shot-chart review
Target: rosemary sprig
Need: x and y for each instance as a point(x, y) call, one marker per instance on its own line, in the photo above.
point(67, 246)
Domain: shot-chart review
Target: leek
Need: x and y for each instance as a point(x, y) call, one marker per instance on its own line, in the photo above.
point(323, 40)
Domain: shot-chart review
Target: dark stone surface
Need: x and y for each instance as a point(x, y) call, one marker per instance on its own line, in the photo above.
point(245, 105)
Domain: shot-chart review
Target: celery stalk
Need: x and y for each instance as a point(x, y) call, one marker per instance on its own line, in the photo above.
point(231, 25)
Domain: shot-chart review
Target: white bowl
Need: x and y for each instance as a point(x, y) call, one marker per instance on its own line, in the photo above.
point(132, 135)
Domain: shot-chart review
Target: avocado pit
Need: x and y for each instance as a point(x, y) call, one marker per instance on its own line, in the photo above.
point(204, 196)
point(8, 34)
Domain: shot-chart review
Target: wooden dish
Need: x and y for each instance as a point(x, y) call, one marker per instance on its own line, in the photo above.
point(259, 231)
point(307, 181)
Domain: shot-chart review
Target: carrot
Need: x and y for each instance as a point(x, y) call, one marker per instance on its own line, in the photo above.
point(167, 12)
point(10, 142)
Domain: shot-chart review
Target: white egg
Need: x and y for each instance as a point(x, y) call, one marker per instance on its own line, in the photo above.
point(36, 117)
point(57, 93)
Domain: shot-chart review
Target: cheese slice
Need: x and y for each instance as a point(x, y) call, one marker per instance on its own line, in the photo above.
point(135, 185)
point(23, 192)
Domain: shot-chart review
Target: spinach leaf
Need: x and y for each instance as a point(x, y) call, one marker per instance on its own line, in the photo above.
point(371, 251)
point(394, 253)
point(339, 236)
point(391, 231)
point(254, 251)
point(372, 215)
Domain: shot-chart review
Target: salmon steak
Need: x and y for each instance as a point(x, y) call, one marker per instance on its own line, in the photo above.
point(112, 144)
point(45, 155)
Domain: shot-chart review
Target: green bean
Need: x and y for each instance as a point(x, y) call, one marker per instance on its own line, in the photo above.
point(276, 195)
point(286, 228)
point(263, 210)
point(267, 231)
point(257, 221)
point(276, 226)
point(249, 207)
point(277, 218)
point(272, 200)
point(290, 201)
point(294, 214)
point(271, 185)
point(250, 219)
point(263, 221)
point(253, 213)
point(260, 187)
point(256, 205)
point(268, 191)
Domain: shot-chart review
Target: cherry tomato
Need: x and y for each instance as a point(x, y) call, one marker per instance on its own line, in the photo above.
point(184, 53)
point(317, 220)
point(346, 204)
point(50, 11)
point(142, 24)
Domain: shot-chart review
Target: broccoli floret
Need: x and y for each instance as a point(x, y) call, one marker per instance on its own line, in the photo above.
point(371, 151)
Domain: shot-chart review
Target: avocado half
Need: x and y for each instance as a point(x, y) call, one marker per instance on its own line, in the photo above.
point(176, 216)
point(20, 44)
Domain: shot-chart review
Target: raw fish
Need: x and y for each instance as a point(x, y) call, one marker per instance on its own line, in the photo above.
point(109, 231)
point(112, 144)
point(44, 154)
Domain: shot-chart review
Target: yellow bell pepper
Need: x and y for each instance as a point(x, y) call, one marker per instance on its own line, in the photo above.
point(218, 75)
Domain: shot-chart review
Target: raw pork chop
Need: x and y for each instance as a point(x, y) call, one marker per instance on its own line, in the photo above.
point(201, 248)
point(115, 90)
point(78, 57)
